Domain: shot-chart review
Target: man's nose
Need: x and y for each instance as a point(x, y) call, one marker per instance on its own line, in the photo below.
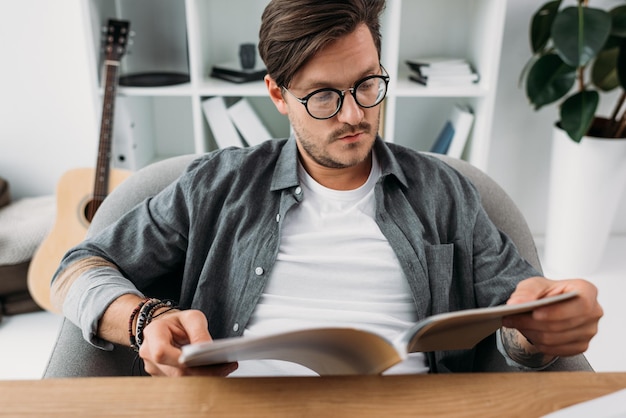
point(350, 113)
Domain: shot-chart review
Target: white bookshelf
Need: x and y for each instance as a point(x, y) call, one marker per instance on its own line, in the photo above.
point(193, 35)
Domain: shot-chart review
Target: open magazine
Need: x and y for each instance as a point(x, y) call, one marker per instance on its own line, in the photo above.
point(349, 351)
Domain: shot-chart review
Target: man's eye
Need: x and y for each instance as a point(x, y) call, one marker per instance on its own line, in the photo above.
point(367, 85)
point(323, 97)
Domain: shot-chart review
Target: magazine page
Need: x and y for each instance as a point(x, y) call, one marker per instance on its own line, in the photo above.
point(464, 329)
point(327, 351)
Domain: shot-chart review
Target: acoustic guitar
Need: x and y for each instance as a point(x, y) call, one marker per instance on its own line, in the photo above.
point(81, 191)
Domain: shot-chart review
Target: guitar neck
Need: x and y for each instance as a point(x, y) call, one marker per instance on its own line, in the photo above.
point(116, 39)
point(101, 182)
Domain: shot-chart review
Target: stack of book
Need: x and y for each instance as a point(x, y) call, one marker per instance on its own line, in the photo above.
point(442, 71)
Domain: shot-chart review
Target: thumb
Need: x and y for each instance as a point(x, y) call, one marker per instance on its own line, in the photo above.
point(531, 289)
point(196, 326)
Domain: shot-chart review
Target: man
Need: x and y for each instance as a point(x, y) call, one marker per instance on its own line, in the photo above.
point(331, 227)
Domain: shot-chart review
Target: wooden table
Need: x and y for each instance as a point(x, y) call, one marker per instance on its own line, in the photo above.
point(460, 395)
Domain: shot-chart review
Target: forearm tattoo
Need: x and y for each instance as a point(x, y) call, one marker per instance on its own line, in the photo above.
point(521, 349)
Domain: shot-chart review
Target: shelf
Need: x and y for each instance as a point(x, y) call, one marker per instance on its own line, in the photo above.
point(217, 87)
point(177, 90)
point(201, 33)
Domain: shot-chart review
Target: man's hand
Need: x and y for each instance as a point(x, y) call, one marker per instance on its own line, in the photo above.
point(163, 338)
point(562, 329)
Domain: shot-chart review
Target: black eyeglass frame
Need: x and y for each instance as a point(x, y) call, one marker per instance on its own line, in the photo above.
point(342, 94)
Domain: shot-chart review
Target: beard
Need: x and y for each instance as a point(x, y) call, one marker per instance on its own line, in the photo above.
point(330, 153)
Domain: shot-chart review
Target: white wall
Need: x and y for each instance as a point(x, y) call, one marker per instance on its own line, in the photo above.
point(520, 151)
point(48, 122)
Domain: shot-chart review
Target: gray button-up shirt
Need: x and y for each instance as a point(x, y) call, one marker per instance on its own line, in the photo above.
point(210, 239)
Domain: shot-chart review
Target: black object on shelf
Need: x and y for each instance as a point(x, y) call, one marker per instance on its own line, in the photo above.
point(234, 72)
point(153, 79)
point(247, 56)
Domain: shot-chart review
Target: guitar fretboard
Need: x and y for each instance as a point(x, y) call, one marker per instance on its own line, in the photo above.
point(101, 182)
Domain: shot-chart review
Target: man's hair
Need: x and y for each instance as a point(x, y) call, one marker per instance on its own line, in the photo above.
point(293, 31)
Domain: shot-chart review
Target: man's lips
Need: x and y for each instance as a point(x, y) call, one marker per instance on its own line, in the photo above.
point(351, 137)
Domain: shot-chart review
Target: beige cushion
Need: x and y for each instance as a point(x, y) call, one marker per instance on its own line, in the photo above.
point(23, 226)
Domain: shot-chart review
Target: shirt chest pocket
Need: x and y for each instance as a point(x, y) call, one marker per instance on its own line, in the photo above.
point(440, 264)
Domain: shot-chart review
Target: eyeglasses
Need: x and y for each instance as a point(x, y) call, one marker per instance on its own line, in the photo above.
point(327, 102)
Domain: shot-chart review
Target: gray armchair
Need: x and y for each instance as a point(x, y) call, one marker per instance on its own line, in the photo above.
point(73, 357)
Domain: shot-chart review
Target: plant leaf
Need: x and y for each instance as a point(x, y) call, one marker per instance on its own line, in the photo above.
point(579, 33)
point(618, 27)
point(541, 23)
point(604, 70)
point(612, 42)
point(577, 113)
point(548, 80)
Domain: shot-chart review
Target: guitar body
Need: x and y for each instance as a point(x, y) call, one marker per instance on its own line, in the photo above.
point(74, 194)
point(80, 192)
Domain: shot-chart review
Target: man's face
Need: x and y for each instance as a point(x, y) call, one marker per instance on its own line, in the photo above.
point(346, 139)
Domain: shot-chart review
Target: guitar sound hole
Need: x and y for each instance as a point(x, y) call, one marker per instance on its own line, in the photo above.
point(90, 209)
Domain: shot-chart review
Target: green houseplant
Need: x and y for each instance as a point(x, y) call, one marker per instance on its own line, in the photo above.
point(578, 52)
point(579, 56)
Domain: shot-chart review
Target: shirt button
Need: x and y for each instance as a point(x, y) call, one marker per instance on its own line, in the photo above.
point(236, 327)
point(259, 271)
point(298, 190)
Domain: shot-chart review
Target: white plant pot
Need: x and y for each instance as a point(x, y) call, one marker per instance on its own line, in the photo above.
point(586, 183)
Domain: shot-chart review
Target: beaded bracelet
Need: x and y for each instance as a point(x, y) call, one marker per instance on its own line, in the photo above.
point(145, 316)
point(131, 334)
point(141, 319)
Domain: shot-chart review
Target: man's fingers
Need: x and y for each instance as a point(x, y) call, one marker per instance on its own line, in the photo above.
point(163, 338)
point(219, 370)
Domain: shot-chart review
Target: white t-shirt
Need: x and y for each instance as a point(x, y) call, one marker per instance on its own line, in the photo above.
point(334, 268)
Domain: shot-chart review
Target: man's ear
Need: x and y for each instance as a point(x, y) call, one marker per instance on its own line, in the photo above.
point(276, 94)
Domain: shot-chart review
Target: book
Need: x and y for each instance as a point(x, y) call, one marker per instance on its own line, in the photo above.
point(446, 71)
point(124, 152)
point(454, 133)
point(445, 79)
point(234, 72)
point(436, 62)
point(248, 123)
point(216, 114)
point(442, 143)
point(350, 351)
point(462, 119)
point(441, 71)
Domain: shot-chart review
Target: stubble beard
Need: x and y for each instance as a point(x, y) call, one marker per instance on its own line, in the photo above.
point(318, 151)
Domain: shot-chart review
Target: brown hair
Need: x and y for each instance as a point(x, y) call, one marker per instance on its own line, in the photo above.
point(293, 31)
